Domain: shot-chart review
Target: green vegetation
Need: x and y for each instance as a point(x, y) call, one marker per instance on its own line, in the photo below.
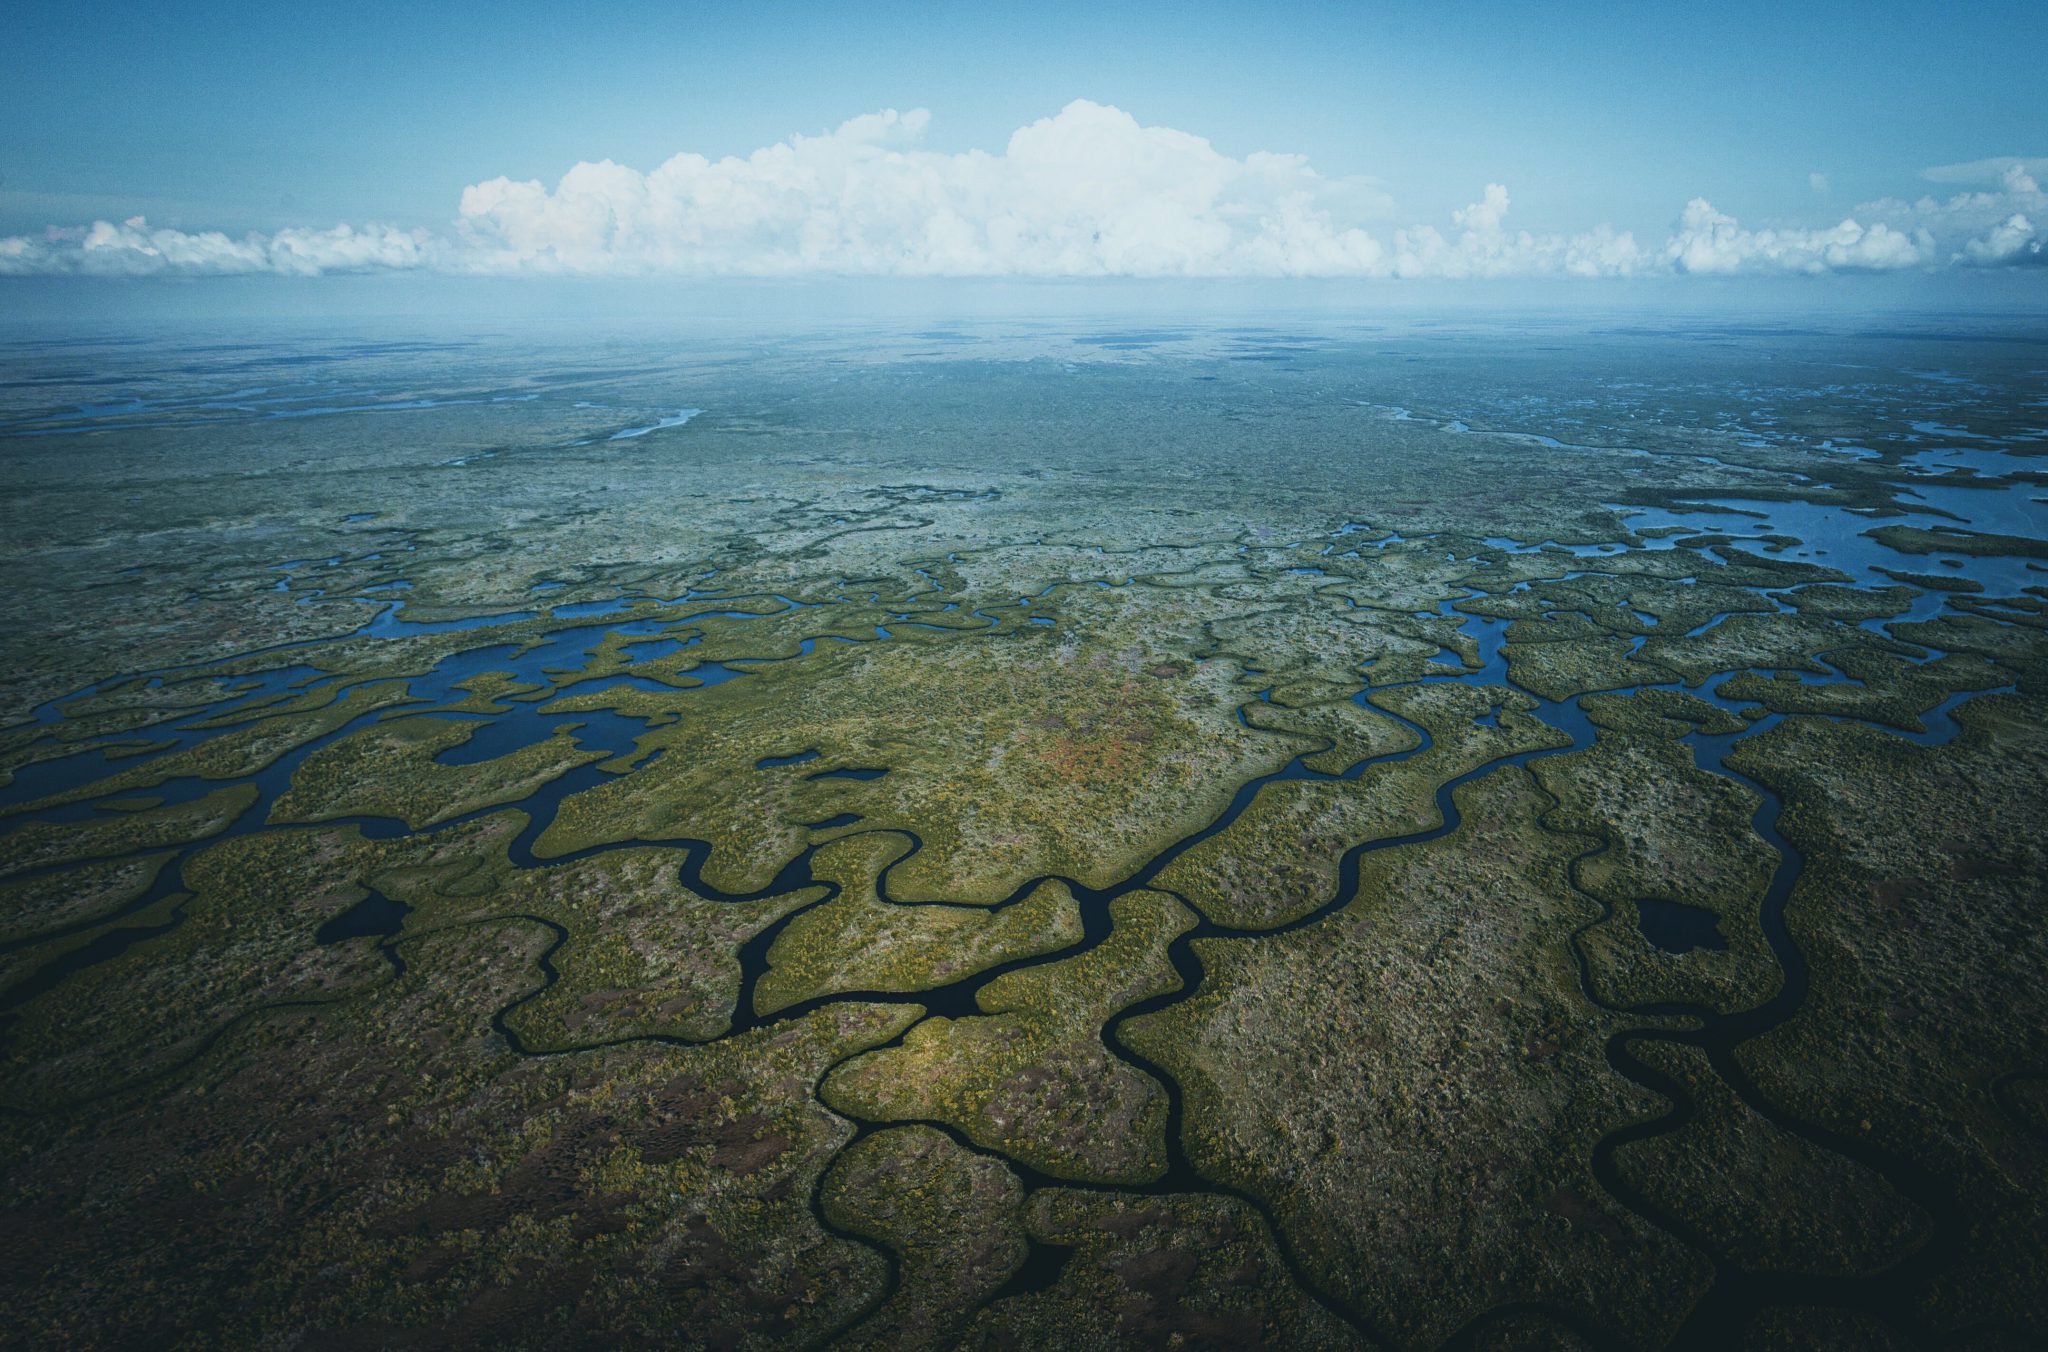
point(1950, 540)
point(952, 1217)
point(1278, 862)
point(1669, 832)
point(390, 770)
point(1348, 1074)
point(858, 942)
point(1147, 1271)
point(1032, 846)
point(1032, 1078)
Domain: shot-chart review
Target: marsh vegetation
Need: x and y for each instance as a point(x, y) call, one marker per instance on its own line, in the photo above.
point(1309, 838)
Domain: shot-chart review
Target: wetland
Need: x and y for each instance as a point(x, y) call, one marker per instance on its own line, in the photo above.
point(1491, 834)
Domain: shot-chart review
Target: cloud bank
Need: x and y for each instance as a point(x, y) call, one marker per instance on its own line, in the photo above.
point(1989, 173)
point(1089, 192)
point(134, 249)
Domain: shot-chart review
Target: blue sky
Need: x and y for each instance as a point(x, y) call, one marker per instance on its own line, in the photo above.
point(260, 118)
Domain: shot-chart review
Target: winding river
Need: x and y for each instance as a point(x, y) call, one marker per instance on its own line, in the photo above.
point(1735, 1292)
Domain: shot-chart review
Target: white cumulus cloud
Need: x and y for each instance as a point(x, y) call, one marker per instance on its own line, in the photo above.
point(2013, 240)
point(1708, 241)
point(1995, 227)
point(1484, 247)
point(134, 248)
point(1088, 192)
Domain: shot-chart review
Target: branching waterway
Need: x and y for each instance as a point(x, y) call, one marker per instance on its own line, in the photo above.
point(553, 654)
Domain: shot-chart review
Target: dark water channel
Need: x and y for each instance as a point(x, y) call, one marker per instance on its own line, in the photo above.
point(513, 725)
